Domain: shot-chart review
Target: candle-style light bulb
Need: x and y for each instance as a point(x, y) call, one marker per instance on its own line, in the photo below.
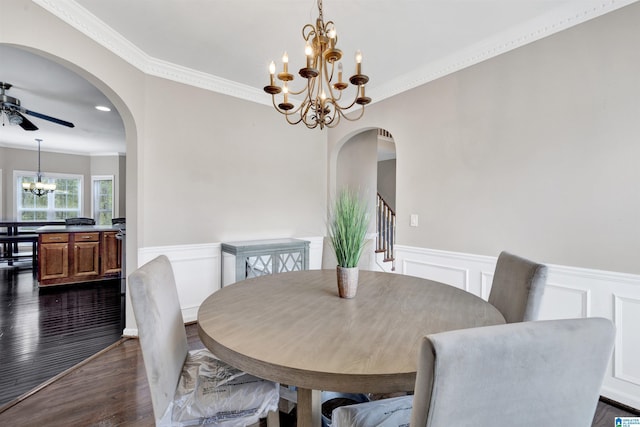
point(339, 72)
point(285, 62)
point(323, 97)
point(358, 62)
point(332, 37)
point(308, 51)
point(285, 90)
point(272, 71)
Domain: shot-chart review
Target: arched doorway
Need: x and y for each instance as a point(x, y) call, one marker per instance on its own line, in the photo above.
point(366, 162)
point(54, 90)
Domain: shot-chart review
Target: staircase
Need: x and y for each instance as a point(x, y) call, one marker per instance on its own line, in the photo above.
point(385, 230)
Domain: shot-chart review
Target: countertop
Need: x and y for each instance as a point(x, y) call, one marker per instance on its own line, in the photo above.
point(76, 228)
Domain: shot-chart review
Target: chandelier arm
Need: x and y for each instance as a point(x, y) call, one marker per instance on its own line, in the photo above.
point(352, 103)
point(311, 32)
point(334, 122)
point(281, 111)
point(291, 92)
point(287, 116)
point(311, 125)
point(339, 97)
point(304, 115)
point(355, 118)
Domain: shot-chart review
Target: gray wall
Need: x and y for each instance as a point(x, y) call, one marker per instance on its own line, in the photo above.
point(27, 160)
point(225, 169)
point(535, 151)
point(387, 181)
point(357, 168)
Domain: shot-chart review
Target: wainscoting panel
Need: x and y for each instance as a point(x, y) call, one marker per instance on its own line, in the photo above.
point(197, 272)
point(455, 276)
point(570, 293)
point(315, 251)
point(627, 319)
point(565, 302)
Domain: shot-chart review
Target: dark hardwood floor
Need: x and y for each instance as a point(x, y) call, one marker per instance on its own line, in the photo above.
point(44, 331)
point(107, 389)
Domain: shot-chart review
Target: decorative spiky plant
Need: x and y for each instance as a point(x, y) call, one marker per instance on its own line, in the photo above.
point(348, 224)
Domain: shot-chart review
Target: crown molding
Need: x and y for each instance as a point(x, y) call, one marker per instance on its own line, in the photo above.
point(568, 16)
point(544, 26)
point(17, 146)
point(82, 20)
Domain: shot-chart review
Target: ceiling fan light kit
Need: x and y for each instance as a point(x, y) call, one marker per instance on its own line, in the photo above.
point(12, 109)
point(323, 71)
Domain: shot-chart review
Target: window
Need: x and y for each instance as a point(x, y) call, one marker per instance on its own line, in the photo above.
point(64, 202)
point(102, 202)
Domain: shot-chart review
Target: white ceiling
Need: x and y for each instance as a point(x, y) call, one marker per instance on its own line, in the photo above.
point(226, 46)
point(46, 87)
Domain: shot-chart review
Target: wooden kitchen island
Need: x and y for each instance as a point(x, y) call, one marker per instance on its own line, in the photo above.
point(72, 254)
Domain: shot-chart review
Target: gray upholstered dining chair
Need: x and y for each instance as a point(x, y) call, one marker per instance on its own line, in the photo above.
point(518, 286)
point(528, 374)
point(190, 387)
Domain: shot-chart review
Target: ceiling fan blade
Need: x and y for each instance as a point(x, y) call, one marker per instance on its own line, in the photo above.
point(26, 124)
point(49, 118)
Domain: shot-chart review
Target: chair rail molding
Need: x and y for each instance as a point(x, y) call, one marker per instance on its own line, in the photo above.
point(571, 292)
point(197, 271)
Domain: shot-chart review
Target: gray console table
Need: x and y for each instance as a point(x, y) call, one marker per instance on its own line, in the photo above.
point(253, 258)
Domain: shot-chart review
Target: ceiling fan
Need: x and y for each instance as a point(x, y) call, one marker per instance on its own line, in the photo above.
point(14, 112)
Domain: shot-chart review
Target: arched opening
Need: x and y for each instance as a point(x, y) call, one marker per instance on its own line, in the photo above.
point(43, 66)
point(365, 162)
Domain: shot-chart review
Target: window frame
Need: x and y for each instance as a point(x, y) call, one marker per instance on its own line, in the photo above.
point(94, 179)
point(17, 201)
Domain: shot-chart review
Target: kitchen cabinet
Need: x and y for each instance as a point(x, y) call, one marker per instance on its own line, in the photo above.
point(77, 254)
point(53, 259)
point(86, 256)
point(111, 254)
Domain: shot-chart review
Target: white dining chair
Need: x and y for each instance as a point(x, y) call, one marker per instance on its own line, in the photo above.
point(190, 387)
point(529, 374)
point(517, 288)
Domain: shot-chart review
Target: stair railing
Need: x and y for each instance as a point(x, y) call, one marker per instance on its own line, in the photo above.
point(386, 229)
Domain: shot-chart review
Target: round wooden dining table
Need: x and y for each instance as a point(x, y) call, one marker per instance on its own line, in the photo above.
point(294, 329)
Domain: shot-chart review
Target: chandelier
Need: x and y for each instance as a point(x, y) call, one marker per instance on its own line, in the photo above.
point(323, 92)
point(38, 188)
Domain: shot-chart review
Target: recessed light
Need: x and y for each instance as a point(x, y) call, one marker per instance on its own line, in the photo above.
point(102, 108)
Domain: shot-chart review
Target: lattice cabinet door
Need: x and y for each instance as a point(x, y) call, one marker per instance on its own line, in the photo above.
point(259, 265)
point(243, 260)
point(290, 261)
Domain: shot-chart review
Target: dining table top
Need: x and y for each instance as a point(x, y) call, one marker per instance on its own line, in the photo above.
point(293, 327)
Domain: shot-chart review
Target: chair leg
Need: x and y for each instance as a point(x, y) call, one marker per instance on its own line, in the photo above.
point(273, 419)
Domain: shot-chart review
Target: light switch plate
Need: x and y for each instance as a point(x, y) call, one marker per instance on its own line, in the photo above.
point(414, 220)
